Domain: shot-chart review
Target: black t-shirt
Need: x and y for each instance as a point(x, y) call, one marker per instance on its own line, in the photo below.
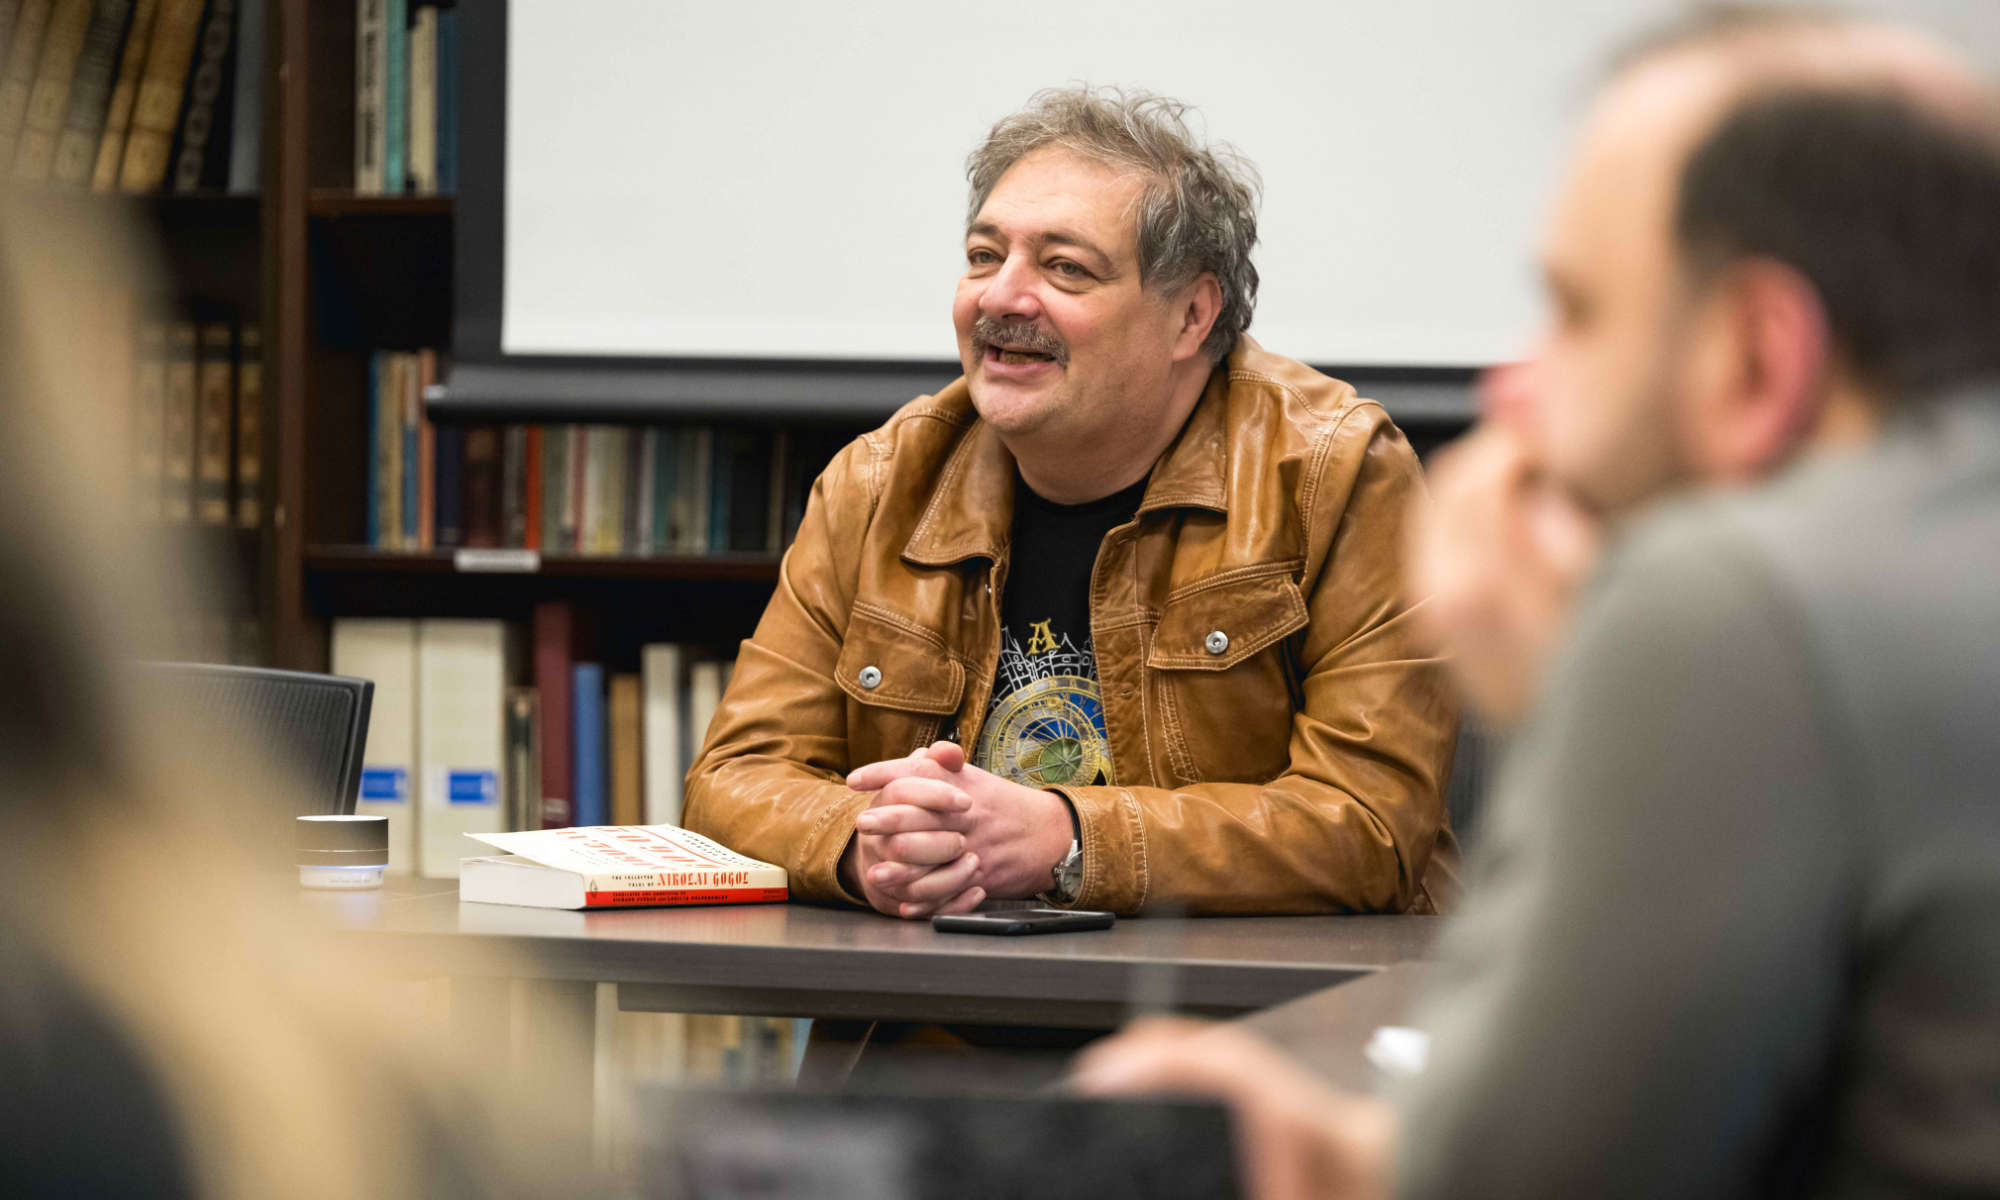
point(1045, 723)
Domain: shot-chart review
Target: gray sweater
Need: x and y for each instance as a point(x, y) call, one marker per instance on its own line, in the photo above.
point(1735, 927)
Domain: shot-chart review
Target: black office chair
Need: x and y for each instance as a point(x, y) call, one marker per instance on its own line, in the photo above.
point(317, 725)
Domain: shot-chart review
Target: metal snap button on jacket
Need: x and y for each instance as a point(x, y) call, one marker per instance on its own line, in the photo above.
point(1217, 643)
point(871, 678)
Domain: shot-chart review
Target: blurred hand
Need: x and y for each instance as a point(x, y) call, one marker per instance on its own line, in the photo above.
point(941, 831)
point(1498, 553)
point(1296, 1137)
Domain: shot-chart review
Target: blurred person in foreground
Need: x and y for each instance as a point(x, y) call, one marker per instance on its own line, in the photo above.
point(1737, 928)
point(171, 1023)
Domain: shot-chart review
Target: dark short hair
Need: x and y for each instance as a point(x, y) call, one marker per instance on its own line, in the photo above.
point(1889, 209)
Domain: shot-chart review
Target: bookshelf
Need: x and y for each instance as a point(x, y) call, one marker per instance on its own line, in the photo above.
point(352, 274)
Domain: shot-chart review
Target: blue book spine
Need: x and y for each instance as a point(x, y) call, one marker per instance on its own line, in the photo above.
point(718, 492)
point(447, 101)
point(587, 707)
point(396, 97)
point(375, 432)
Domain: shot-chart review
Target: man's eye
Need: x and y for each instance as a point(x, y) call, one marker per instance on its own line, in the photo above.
point(1067, 269)
point(980, 258)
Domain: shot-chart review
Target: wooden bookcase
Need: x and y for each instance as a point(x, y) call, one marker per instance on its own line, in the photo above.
point(347, 275)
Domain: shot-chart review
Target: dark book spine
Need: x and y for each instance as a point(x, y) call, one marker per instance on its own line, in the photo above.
point(216, 385)
point(555, 650)
point(48, 98)
point(250, 427)
point(157, 108)
point(246, 99)
point(482, 486)
point(450, 487)
point(204, 96)
point(532, 473)
point(555, 471)
point(90, 93)
point(124, 93)
point(749, 492)
point(721, 458)
point(514, 486)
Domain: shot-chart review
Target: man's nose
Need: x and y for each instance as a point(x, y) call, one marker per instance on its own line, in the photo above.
point(1010, 293)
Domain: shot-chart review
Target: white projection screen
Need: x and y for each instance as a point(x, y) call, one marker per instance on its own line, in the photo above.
point(786, 179)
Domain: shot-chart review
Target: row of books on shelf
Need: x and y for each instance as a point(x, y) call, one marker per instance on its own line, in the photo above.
point(197, 422)
point(458, 744)
point(577, 489)
point(131, 95)
point(405, 98)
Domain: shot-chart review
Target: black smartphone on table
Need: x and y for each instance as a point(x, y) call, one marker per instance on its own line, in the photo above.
point(1015, 922)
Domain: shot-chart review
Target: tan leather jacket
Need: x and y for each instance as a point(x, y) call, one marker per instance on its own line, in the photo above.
point(1300, 768)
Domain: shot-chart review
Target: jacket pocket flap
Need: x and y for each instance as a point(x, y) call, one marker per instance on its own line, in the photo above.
point(888, 665)
point(1212, 626)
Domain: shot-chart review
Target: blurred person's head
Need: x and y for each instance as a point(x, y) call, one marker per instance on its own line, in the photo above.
point(1107, 254)
point(1776, 224)
point(151, 912)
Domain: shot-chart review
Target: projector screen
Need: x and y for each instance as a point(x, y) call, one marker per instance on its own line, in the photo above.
point(787, 179)
point(681, 196)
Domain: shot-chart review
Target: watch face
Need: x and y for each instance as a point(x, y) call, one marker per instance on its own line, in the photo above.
point(1069, 872)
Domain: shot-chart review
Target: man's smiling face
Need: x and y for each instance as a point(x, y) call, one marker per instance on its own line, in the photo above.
point(1056, 335)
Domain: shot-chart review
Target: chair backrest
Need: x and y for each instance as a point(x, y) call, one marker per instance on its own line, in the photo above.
point(315, 724)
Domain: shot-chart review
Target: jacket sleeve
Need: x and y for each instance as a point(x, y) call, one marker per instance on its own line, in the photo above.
point(770, 779)
point(1356, 823)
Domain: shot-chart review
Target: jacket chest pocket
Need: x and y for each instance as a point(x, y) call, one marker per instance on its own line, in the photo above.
point(1221, 679)
point(901, 684)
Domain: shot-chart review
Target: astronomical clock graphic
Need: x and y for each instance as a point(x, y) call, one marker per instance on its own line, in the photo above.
point(1047, 725)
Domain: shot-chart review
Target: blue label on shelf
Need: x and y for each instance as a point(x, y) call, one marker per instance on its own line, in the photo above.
point(472, 787)
point(385, 785)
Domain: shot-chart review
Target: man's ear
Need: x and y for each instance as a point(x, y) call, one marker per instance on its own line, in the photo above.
point(1198, 304)
point(1781, 346)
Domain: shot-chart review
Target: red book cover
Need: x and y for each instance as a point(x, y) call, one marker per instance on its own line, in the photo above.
point(534, 486)
point(555, 654)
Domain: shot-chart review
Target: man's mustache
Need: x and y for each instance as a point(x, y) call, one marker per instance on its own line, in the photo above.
point(1017, 335)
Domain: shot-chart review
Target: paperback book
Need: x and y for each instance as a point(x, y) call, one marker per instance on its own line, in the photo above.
point(616, 866)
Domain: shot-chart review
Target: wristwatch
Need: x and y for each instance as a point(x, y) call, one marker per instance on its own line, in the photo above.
point(1068, 875)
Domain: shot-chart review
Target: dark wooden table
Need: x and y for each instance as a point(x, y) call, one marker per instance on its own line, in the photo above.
point(802, 960)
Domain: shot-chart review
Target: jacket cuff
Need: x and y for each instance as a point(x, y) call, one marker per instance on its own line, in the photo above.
point(1116, 874)
point(819, 856)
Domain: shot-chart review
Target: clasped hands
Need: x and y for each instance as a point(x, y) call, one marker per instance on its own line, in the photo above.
point(941, 835)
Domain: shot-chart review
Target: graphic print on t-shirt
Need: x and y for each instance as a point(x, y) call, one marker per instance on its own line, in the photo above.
point(1045, 725)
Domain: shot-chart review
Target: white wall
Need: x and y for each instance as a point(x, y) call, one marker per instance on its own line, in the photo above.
point(785, 179)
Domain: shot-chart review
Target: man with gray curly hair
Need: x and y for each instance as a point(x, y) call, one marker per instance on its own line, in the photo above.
point(1114, 620)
